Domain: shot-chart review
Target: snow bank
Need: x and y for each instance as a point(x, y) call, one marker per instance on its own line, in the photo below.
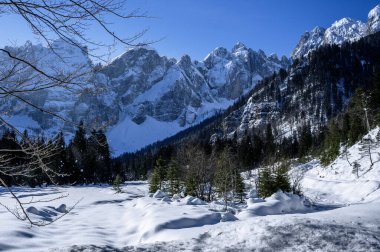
point(189, 200)
point(159, 194)
point(278, 203)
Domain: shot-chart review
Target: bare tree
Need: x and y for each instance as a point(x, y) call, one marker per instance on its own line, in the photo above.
point(22, 73)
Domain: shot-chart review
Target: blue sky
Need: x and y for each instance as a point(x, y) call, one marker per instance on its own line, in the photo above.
point(195, 27)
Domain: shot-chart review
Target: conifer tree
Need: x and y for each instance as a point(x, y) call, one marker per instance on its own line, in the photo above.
point(173, 177)
point(265, 183)
point(282, 179)
point(116, 183)
point(239, 186)
point(190, 187)
point(224, 176)
point(154, 183)
point(59, 158)
point(78, 150)
point(331, 144)
point(103, 159)
point(356, 168)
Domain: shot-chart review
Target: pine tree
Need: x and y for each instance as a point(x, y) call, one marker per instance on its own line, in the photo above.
point(58, 161)
point(356, 168)
point(239, 186)
point(305, 141)
point(154, 184)
point(103, 160)
point(282, 178)
point(78, 150)
point(224, 175)
point(331, 144)
point(190, 187)
point(265, 183)
point(160, 169)
point(269, 141)
point(173, 177)
point(116, 183)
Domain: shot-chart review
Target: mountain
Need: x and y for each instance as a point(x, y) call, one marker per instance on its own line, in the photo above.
point(142, 96)
point(313, 91)
point(344, 30)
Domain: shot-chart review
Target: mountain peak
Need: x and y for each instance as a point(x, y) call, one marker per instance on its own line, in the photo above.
point(345, 29)
point(374, 20)
point(239, 46)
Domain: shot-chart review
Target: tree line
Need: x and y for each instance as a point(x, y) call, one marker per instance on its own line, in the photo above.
point(84, 160)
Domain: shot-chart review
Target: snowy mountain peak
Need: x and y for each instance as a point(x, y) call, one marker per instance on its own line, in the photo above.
point(239, 46)
point(343, 30)
point(374, 20)
point(219, 52)
point(309, 41)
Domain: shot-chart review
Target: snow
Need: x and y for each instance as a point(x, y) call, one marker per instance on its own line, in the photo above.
point(278, 203)
point(374, 19)
point(337, 184)
point(344, 215)
point(129, 136)
point(159, 194)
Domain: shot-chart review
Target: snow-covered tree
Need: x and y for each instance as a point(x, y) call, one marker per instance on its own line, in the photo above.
point(366, 146)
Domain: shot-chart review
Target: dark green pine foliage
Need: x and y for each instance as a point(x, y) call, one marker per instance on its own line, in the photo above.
point(269, 141)
point(78, 149)
point(98, 161)
point(239, 186)
point(58, 160)
point(116, 183)
point(154, 182)
point(331, 144)
point(282, 179)
point(158, 176)
point(265, 183)
point(173, 177)
point(305, 140)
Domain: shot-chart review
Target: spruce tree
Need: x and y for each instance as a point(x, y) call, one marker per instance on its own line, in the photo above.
point(224, 175)
point(356, 168)
point(331, 144)
point(282, 179)
point(239, 186)
point(160, 169)
point(190, 186)
point(78, 150)
point(154, 183)
point(173, 177)
point(116, 183)
point(265, 183)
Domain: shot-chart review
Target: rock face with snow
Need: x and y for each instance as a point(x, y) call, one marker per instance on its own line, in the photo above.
point(142, 91)
point(344, 30)
point(374, 20)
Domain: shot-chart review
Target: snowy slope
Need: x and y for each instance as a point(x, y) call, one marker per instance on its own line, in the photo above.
point(338, 183)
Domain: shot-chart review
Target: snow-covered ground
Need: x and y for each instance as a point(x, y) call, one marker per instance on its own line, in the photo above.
point(345, 216)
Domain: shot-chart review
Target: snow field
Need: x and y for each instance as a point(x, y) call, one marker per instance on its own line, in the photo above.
point(345, 217)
